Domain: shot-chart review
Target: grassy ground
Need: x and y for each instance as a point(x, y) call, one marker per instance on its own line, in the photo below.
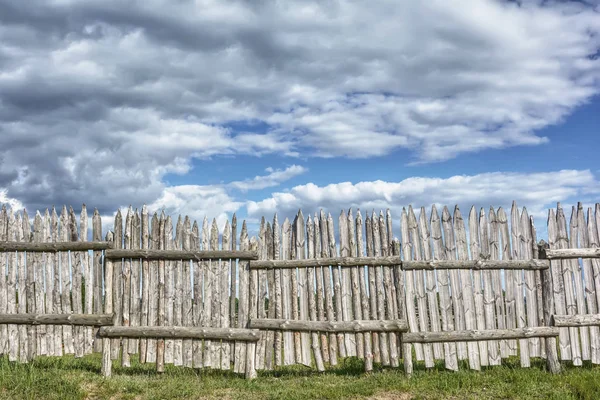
point(70, 378)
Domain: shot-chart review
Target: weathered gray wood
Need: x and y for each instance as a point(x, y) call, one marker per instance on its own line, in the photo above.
point(179, 332)
point(232, 285)
point(173, 255)
point(11, 291)
point(38, 267)
point(352, 326)
point(447, 317)
point(530, 288)
point(288, 340)
point(575, 320)
point(57, 319)
point(558, 285)
point(315, 342)
point(475, 248)
point(22, 303)
point(477, 335)
point(224, 290)
point(303, 310)
point(430, 284)
point(388, 290)
point(76, 287)
point(197, 307)
point(108, 308)
point(494, 248)
point(243, 308)
point(552, 363)
point(488, 290)
point(270, 336)
point(590, 237)
point(277, 305)
point(216, 293)
point(466, 288)
point(153, 291)
point(345, 287)
point(354, 273)
point(262, 294)
point(126, 302)
point(509, 282)
point(384, 348)
point(564, 254)
point(3, 282)
point(420, 286)
point(337, 285)
point(187, 294)
point(49, 276)
point(327, 282)
point(54, 247)
point(410, 296)
point(320, 288)
point(364, 295)
point(162, 299)
point(30, 291)
point(135, 305)
point(98, 273)
point(115, 346)
point(252, 313)
point(538, 285)
point(207, 318)
point(88, 268)
point(518, 249)
point(178, 293)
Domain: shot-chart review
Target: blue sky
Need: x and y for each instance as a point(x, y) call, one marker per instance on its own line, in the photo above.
point(208, 108)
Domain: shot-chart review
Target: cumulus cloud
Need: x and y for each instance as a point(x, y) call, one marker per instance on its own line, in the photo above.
point(537, 191)
point(100, 99)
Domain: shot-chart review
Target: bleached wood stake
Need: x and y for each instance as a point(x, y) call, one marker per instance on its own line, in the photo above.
point(530, 289)
point(477, 292)
point(178, 293)
point(509, 281)
point(163, 226)
point(126, 304)
point(327, 282)
point(108, 308)
point(594, 242)
point(488, 291)
point(49, 277)
point(115, 346)
point(278, 338)
point(187, 317)
point(364, 295)
point(303, 293)
point(252, 312)
point(153, 291)
point(135, 306)
point(262, 295)
point(21, 282)
point(3, 282)
point(518, 253)
point(552, 363)
point(233, 285)
point(388, 292)
point(197, 305)
point(87, 261)
point(320, 288)
point(38, 267)
point(243, 308)
point(206, 319)
point(270, 336)
point(98, 272)
point(216, 294)
point(494, 248)
point(356, 298)
point(11, 284)
point(337, 284)
point(409, 296)
point(224, 281)
point(311, 296)
point(345, 287)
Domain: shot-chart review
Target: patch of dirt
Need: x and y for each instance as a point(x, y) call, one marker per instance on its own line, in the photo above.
point(391, 396)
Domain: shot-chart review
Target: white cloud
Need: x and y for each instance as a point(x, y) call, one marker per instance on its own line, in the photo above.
point(274, 178)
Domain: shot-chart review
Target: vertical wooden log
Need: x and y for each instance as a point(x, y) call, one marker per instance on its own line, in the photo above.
point(135, 306)
point(125, 360)
point(388, 291)
point(447, 317)
point(538, 286)
point(320, 289)
point(187, 316)
point(49, 277)
point(315, 342)
point(165, 227)
point(420, 286)
point(593, 242)
point(98, 274)
point(207, 318)
point(252, 313)
point(115, 346)
point(30, 290)
point(518, 253)
point(88, 268)
point(345, 287)
point(154, 290)
point(262, 295)
point(170, 267)
point(430, 285)
point(575, 267)
point(552, 362)
point(278, 339)
point(22, 291)
point(198, 302)
point(337, 284)
point(243, 308)
point(477, 275)
point(327, 283)
point(509, 281)
point(391, 240)
point(588, 283)
point(270, 339)
point(365, 312)
point(76, 287)
point(145, 305)
point(38, 267)
point(488, 289)
point(562, 242)
point(3, 282)
point(11, 285)
point(108, 308)
point(409, 293)
point(531, 307)
point(233, 277)
point(224, 281)
point(494, 248)
point(356, 299)
point(384, 347)
point(216, 294)
point(466, 288)
point(294, 292)
point(303, 309)
point(178, 292)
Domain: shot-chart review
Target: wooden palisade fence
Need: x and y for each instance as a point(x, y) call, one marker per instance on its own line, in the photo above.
point(306, 291)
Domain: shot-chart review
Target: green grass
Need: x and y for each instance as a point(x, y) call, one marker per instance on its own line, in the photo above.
point(70, 378)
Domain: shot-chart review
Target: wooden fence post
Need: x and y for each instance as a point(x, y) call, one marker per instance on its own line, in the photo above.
point(108, 308)
point(552, 362)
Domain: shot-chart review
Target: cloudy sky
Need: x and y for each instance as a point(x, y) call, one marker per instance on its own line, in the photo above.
point(249, 106)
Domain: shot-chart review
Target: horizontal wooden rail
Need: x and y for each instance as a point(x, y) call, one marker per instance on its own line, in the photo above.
point(179, 332)
point(575, 320)
point(57, 319)
point(329, 326)
point(325, 262)
point(181, 255)
point(564, 254)
point(406, 265)
point(477, 264)
point(54, 247)
point(475, 335)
